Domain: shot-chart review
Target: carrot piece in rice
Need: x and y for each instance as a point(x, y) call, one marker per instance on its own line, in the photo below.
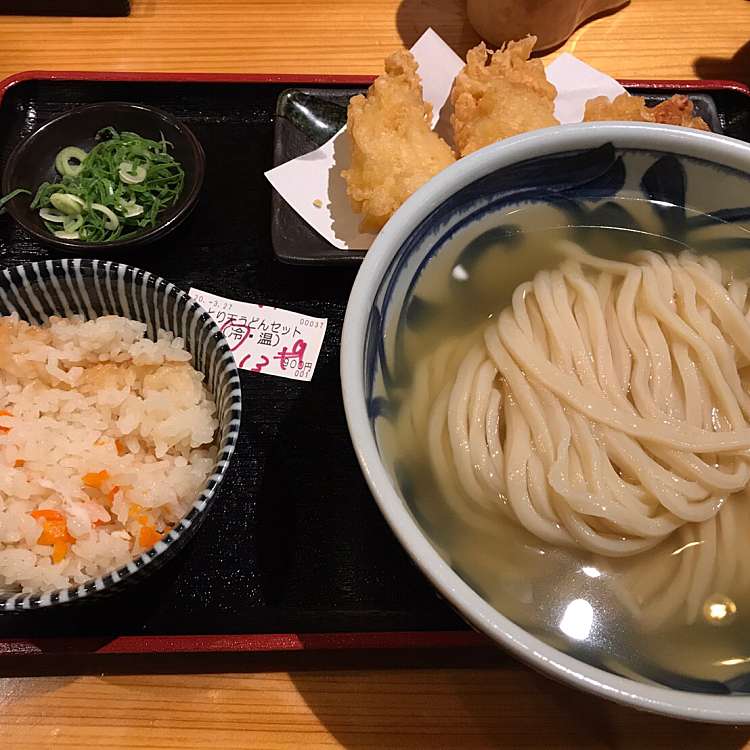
point(148, 536)
point(96, 479)
point(59, 551)
point(111, 494)
point(54, 532)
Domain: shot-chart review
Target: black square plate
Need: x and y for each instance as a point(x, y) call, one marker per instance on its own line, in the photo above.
point(307, 117)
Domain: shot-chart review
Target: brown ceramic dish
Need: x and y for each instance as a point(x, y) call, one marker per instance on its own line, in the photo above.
point(550, 21)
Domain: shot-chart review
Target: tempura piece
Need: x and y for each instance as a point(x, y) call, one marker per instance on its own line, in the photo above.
point(505, 96)
point(675, 111)
point(394, 150)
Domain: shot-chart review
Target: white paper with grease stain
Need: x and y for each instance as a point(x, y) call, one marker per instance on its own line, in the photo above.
point(313, 186)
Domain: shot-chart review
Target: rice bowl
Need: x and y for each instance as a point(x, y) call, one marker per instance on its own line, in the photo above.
point(117, 422)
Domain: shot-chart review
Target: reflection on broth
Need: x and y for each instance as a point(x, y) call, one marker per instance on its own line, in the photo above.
point(610, 520)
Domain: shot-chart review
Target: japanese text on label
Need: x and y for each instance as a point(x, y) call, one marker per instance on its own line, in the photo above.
point(267, 339)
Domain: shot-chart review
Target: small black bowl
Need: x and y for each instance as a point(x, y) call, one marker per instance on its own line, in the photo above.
point(32, 162)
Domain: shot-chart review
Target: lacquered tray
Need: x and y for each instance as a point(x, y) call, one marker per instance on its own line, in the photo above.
point(295, 556)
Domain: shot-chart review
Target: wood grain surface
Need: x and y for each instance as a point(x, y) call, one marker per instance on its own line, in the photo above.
point(506, 706)
point(647, 39)
point(431, 708)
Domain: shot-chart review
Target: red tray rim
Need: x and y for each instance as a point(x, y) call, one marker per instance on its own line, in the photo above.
point(245, 643)
point(310, 78)
point(150, 77)
point(269, 642)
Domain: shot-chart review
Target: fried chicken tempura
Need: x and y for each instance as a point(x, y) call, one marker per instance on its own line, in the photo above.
point(506, 96)
point(394, 150)
point(675, 111)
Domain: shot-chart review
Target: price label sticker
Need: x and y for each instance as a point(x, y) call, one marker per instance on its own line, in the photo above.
point(267, 339)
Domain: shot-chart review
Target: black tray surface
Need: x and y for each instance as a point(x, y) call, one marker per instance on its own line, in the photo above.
point(295, 542)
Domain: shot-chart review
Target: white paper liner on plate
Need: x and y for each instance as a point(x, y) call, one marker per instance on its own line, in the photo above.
point(312, 184)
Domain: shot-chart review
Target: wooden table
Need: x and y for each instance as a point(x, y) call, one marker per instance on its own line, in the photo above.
point(648, 39)
point(503, 705)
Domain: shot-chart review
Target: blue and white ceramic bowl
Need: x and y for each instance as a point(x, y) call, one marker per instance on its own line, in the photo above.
point(681, 185)
point(92, 288)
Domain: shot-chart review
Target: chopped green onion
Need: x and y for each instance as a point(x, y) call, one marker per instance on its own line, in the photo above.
point(131, 176)
point(115, 191)
point(11, 196)
point(67, 203)
point(71, 223)
point(63, 161)
point(49, 214)
point(131, 210)
point(113, 222)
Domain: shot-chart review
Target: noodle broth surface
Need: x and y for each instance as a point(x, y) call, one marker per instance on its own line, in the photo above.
point(581, 602)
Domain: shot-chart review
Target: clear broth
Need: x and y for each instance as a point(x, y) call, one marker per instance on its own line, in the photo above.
point(561, 596)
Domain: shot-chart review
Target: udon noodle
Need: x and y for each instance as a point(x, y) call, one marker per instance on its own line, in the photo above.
point(605, 410)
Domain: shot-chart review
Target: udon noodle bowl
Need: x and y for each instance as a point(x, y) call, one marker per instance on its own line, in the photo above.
point(575, 438)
